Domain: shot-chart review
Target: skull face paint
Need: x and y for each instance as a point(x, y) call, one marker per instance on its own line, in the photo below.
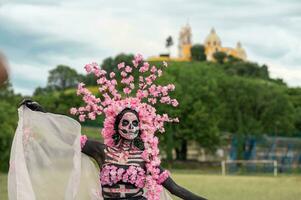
point(128, 126)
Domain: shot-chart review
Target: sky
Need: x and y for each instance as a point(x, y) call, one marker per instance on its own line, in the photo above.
point(38, 35)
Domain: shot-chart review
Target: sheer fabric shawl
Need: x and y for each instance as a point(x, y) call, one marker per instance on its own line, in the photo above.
point(46, 160)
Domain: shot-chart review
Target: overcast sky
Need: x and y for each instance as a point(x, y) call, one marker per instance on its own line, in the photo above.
point(37, 35)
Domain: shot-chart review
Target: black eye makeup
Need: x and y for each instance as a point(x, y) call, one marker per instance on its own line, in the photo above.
point(125, 122)
point(135, 123)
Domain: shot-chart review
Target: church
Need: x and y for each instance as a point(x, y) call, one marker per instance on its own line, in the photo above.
point(212, 44)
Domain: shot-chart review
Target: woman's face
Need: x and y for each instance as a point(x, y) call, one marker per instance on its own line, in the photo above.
point(128, 126)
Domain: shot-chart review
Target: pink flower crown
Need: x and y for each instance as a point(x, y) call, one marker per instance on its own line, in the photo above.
point(111, 102)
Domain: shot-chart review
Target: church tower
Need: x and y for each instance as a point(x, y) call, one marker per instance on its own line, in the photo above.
point(241, 53)
point(185, 42)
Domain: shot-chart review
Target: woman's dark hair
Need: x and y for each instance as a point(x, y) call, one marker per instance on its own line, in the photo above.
point(116, 137)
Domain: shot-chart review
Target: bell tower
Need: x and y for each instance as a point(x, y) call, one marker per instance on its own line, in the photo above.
point(185, 42)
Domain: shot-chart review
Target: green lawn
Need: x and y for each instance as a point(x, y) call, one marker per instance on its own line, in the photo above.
point(91, 132)
point(216, 187)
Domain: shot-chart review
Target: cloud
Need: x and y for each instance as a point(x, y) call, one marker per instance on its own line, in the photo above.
point(38, 35)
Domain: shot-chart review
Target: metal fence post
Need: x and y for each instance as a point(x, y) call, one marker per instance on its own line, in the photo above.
point(223, 164)
point(275, 167)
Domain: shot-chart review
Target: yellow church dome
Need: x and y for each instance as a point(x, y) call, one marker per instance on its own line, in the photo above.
point(212, 39)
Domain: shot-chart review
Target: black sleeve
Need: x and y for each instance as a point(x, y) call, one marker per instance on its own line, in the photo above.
point(95, 150)
point(179, 191)
point(32, 105)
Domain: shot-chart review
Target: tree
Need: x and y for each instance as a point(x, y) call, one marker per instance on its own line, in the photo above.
point(168, 43)
point(8, 122)
point(220, 57)
point(198, 52)
point(254, 107)
point(247, 69)
point(62, 77)
point(198, 110)
point(295, 98)
point(110, 64)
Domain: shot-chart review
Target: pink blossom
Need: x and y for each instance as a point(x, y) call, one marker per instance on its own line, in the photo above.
point(127, 90)
point(82, 118)
point(83, 140)
point(137, 59)
point(101, 80)
point(88, 68)
point(113, 82)
point(73, 111)
point(152, 100)
point(148, 80)
point(121, 65)
point(174, 103)
point(123, 74)
point(92, 116)
point(128, 69)
point(165, 99)
point(112, 75)
point(171, 87)
point(159, 72)
point(153, 69)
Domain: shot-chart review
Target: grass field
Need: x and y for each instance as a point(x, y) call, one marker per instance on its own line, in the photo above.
point(216, 187)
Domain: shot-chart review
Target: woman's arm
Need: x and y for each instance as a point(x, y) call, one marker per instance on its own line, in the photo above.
point(179, 191)
point(95, 150)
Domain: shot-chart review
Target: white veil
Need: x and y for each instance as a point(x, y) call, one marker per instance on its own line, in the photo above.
point(46, 160)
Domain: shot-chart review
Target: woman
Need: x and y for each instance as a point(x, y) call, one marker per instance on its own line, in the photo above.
point(129, 158)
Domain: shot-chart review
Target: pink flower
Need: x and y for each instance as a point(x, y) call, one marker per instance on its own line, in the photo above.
point(92, 116)
point(153, 69)
point(83, 140)
point(159, 72)
point(123, 74)
point(148, 80)
point(137, 59)
point(127, 90)
point(152, 100)
point(101, 80)
point(165, 99)
point(88, 68)
point(82, 118)
point(121, 65)
point(128, 69)
point(112, 75)
point(176, 119)
point(113, 82)
point(73, 111)
point(174, 103)
point(171, 87)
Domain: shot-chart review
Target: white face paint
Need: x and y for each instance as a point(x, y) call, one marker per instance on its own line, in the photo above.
point(128, 126)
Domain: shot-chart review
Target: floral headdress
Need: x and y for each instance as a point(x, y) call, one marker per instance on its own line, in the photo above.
point(111, 103)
